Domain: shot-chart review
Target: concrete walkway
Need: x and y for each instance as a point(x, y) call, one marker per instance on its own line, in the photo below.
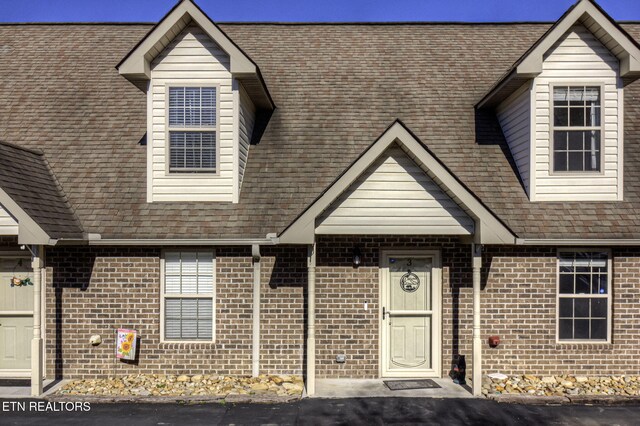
point(13, 392)
point(363, 388)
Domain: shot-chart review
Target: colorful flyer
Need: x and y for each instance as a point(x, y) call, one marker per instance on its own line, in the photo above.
point(126, 344)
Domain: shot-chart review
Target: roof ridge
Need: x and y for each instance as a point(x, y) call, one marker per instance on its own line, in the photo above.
point(34, 151)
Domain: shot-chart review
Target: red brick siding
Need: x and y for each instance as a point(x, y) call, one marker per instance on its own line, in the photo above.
point(97, 290)
point(519, 305)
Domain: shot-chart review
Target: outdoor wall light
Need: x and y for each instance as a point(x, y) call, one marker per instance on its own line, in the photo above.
point(357, 257)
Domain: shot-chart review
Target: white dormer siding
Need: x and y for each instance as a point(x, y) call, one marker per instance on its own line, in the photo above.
point(247, 117)
point(191, 59)
point(577, 59)
point(395, 196)
point(514, 115)
point(8, 225)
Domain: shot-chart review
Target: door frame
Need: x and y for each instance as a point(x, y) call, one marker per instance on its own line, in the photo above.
point(26, 373)
point(436, 326)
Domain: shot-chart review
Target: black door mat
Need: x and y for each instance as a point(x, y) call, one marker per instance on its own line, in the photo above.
point(15, 382)
point(411, 384)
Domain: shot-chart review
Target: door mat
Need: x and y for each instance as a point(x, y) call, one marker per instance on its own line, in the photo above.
point(411, 384)
point(15, 382)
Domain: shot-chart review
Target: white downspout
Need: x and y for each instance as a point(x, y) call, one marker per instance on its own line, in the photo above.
point(255, 254)
point(311, 320)
point(477, 339)
point(36, 343)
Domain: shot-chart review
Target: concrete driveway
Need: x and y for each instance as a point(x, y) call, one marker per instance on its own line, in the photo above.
point(369, 411)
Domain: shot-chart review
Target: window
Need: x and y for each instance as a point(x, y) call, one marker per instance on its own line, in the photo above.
point(584, 296)
point(188, 296)
point(192, 129)
point(577, 129)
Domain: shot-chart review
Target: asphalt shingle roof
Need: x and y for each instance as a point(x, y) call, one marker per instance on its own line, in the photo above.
point(337, 88)
point(26, 177)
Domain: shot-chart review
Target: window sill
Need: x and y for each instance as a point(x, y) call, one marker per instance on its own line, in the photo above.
point(190, 344)
point(584, 344)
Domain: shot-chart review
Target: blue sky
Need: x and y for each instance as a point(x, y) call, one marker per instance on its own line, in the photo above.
point(305, 10)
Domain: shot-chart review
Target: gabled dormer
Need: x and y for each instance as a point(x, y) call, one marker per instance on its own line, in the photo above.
point(203, 95)
point(561, 107)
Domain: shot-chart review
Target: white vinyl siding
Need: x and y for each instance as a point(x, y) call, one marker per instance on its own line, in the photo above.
point(247, 121)
point(395, 196)
point(578, 59)
point(188, 295)
point(514, 115)
point(191, 59)
point(8, 225)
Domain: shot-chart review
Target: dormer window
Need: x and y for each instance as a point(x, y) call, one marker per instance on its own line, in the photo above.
point(192, 128)
point(577, 121)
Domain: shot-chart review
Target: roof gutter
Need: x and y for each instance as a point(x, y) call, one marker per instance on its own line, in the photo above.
point(97, 240)
point(577, 242)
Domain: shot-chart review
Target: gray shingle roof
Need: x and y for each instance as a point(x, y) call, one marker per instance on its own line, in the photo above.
point(337, 87)
point(26, 177)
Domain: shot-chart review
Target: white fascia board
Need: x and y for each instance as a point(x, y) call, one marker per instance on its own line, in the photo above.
point(137, 64)
point(29, 232)
point(577, 242)
point(630, 61)
point(488, 228)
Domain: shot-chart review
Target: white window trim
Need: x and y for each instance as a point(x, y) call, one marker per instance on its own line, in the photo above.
point(168, 129)
point(609, 296)
point(552, 128)
point(203, 296)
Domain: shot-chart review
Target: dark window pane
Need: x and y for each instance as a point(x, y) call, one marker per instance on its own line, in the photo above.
point(604, 283)
point(599, 308)
point(581, 308)
point(598, 284)
point(566, 307)
point(566, 283)
point(576, 161)
point(593, 116)
point(576, 116)
point(560, 116)
point(576, 141)
point(583, 284)
point(581, 329)
point(560, 162)
point(560, 140)
point(566, 329)
point(599, 329)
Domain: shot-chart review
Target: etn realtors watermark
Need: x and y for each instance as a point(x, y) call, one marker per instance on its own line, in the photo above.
point(45, 406)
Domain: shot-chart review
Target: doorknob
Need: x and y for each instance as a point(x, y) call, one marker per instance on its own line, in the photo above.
point(384, 313)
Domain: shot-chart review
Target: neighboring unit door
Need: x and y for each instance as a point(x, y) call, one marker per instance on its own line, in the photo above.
point(16, 317)
point(411, 320)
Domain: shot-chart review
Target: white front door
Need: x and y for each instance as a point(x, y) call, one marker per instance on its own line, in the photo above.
point(16, 316)
point(410, 314)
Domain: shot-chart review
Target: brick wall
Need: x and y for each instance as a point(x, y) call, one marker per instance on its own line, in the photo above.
point(519, 305)
point(97, 290)
point(342, 324)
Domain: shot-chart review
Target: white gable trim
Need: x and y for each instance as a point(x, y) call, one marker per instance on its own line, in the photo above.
point(629, 54)
point(29, 232)
point(584, 12)
point(489, 229)
point(136, 65)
